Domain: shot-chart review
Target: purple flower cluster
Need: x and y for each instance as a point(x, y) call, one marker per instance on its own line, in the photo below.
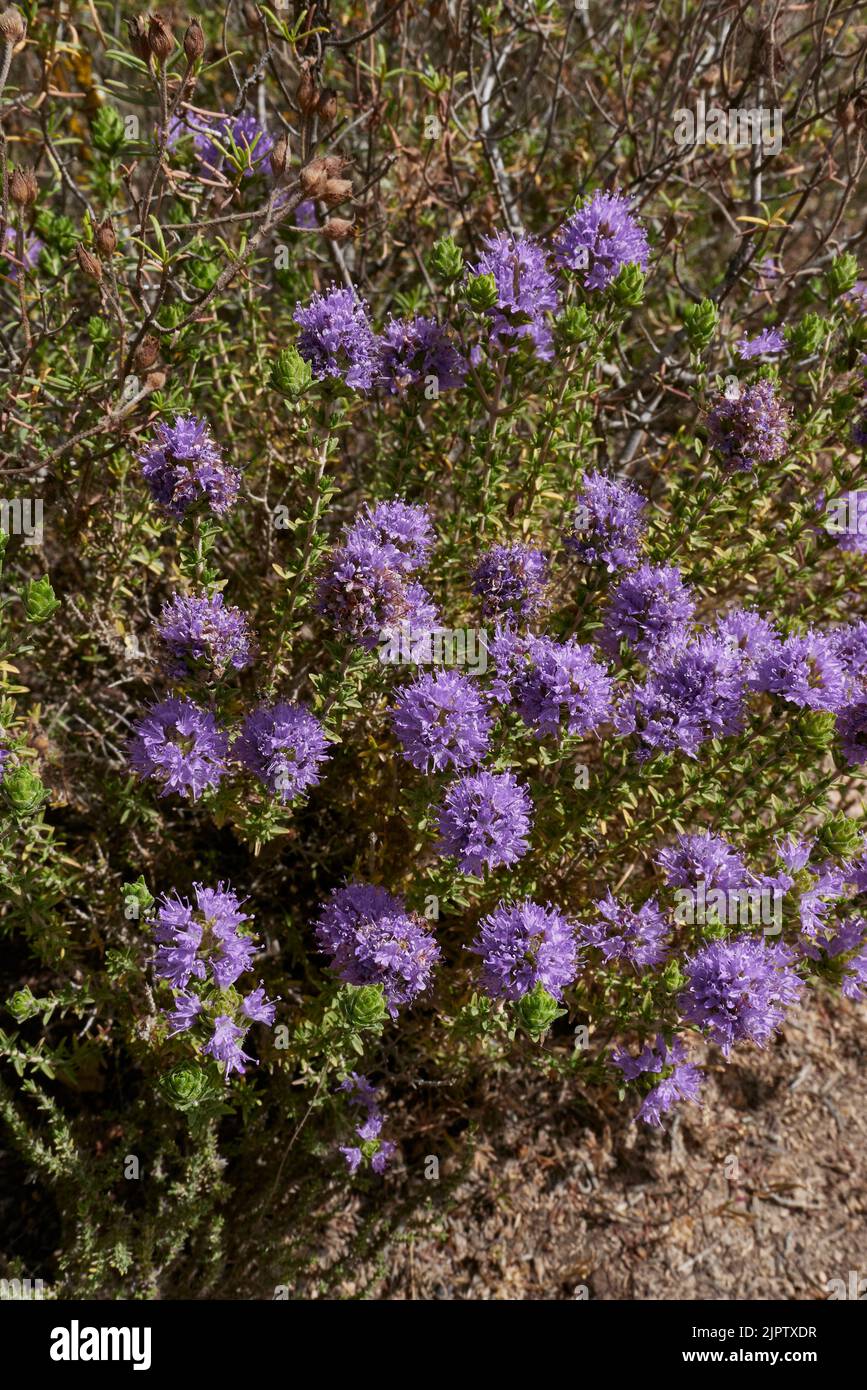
point(704, 858)
point(403, 528)
point(203, 636)
point(485, 821)
point(179, 745)
point(608, 524)
point(749, 633)
point(768, 343)
point(695, 693)
point(561, 688)
point(739, 990)
point(213, 138)
point(633, 934)
point(523, 945)
point(805, 670)
point(365, 593)
point(284, 746)
point(360, 1093)
point(750, 428)
point(184, 465)
point(511, 580)
point(414, 351)
point(29, 255)
point(441, 721)
point(202, 942)
point(373, 940)
point(526, 293)
point(601, 237)
point(681, 1080)
point(650, 607)
point(337, 339)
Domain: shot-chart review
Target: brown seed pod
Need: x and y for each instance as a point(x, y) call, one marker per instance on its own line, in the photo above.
point(23, 188)
point(280, 157)
point(88, 264)
point(334, 165)
point(12, 26)
point(160, 38)
point(327, 105)
point(146, 353)
point(105, 238)
point(194, 42)
point(338, 229)
point(137, 29)
point(313, 177)
point(336, 191)
point(306, 95)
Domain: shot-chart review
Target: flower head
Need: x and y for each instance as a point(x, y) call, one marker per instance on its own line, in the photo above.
point(510, 580)
point(485, 821)
point(414, 350)
point(695, 693)
point(194, 939)
point(739, 990)
point(201, 634)
point(337, 340)
point(373, 940)
point(608, 523)
point(365, 594)
point(748, 633)
point(29, 255)
point(179, 745)
point(767, 343)
point(213, 137)
point(703, 858)
point(601, 237)
point(184, 465)
point(680, 1079)
point(402, 527)
point(805, 670)
point(649, 608)
point(633, 934)
point(562, 688)
point(284, 746)
point(225, 1045)
point(526, 292)
point(441, 721)
point(523, 945)
point(750, 428)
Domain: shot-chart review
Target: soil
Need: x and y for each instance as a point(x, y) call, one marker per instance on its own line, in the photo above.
point(759, 1194)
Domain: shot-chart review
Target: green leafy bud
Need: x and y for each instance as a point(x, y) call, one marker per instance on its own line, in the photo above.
point(628, 289)
point(536, 1012)
point(482, 293)
point(700, 321)
point(23, 790)
point(39, 600)
point(136, 899)
point(840, 836)
point(841, 275)
point(816, 729)
point(291, 375)
point(4, 541)
point(576, 324)
point(98, 330)
point(363, 1006)
point(23, 1005)
point(107, 131)
point(447, 259)
point(186, 1086)
point(673, 976)
point(807, 336)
